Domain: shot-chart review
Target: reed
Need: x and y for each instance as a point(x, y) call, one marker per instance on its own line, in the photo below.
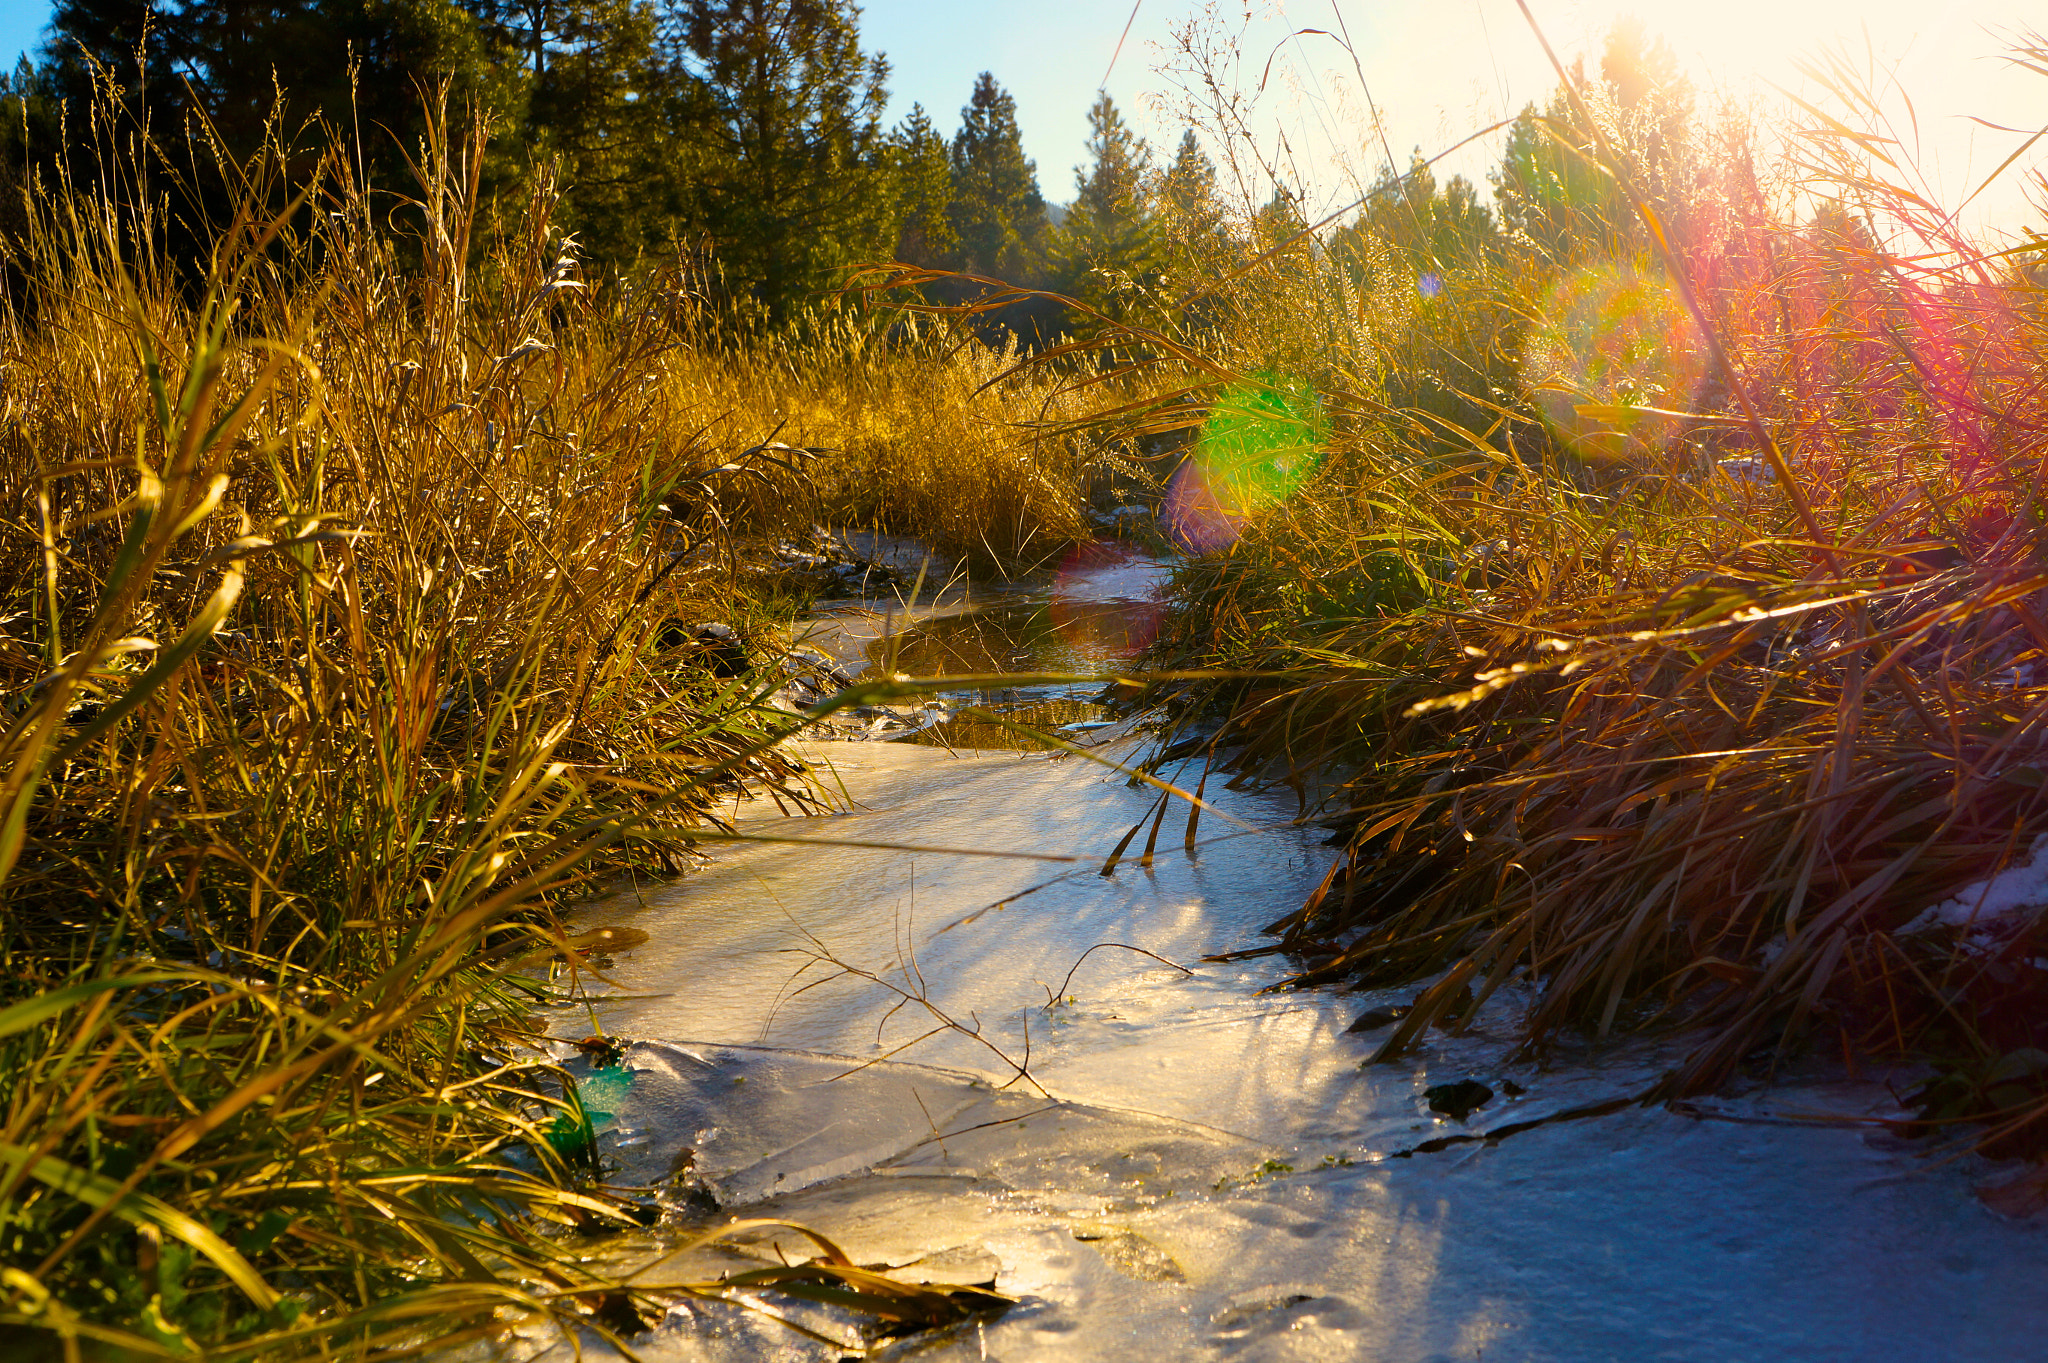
point(336, 581)
point(1681, 710)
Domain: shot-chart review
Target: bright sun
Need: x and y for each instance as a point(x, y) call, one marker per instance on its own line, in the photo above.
point(1936, 69)
point(1738, 40)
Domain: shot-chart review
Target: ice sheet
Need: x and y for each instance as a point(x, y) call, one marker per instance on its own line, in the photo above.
point(1213, 1175)
point(1196, 1169)
point(1642, 1235)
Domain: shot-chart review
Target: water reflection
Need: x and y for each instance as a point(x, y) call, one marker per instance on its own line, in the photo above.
point(1031, 726)
point(1099, 611)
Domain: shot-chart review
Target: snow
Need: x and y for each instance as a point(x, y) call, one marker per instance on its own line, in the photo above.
point(1987, 904)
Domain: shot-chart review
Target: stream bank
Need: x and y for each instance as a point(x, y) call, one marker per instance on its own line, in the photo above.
point(1188, 1167)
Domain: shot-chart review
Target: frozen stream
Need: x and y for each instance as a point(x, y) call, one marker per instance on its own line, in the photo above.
point(1198, 1170)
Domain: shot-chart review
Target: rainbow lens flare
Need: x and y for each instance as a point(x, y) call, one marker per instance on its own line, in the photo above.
point(1261, 442)
point(1609, 341)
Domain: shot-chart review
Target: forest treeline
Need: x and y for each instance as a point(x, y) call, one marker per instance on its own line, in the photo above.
point(751, 129)
point(750, 134)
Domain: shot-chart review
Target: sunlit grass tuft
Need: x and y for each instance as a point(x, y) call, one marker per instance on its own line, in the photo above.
point(1684, 718)
point(928, 431)
point(337, 589)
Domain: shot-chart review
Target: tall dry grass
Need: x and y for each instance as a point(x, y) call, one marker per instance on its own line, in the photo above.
point(335, 580)
point(350, 576)
point(1685, 718)
point(931, 431)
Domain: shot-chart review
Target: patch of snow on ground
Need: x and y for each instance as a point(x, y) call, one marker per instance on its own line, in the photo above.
point(2013, 891)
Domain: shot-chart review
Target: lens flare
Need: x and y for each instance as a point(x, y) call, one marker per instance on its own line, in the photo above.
point(1260, 444)
point(1609, 341)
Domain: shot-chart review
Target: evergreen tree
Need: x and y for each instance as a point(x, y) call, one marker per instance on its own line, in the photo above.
point(1551, 192)
point(1108, 191)
point(1110, 245)
point(524, 33)
point(210, 80)
point(924, 191)
point(1187, 191)
point(346, 60)
point(1651, 102)
point(30, 127)
point(1551, 195)
point(111, 47)
point(1429, 229)
point(997, 213)
point(604, 103)
point(1417, 268)
point(1651, 94)
point(107, 32)
point(1279, 226)
point(241, 65)
point(785, 111)
point(1195, 228)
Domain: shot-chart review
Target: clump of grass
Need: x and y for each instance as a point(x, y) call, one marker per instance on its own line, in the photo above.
point(930, 431)
point(1688, 733)
point(335, 578)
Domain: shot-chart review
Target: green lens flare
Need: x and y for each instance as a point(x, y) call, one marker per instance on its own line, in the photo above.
point(1262, 441)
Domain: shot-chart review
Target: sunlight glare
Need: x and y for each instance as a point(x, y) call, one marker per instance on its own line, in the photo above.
point(1947, 60)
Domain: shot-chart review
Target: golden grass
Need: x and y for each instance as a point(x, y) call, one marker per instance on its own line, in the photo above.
point(929, 432)
point(1687, 732)
point(337, 581)
point(336, 587)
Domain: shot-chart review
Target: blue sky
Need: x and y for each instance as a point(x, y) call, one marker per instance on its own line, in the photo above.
point(21, 24)
point(1434, 71)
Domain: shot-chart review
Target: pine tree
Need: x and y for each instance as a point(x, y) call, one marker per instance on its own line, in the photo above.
point(1195, 229)
point(1279, 225)
point(111, 46)
point(242, 65)
point(602, 101)
point(1110, 246)
point(786, 111)
point(1651, 100)
point(30, 127)
point(1432, 229)
point(1187, 191)
point(108, 31)
point(523, 32)
point(1551, 192)
point(1552, 196)
point(923, 175)
point(997, 212)
point(211, 80)
point(349, 61)
point(1109, 191)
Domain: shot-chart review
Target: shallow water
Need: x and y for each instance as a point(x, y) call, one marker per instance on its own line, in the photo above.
point(1194, 1169)
point(1095, 612)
